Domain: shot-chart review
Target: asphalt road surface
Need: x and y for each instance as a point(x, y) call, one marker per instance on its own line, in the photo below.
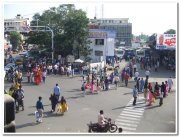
point(117, 104)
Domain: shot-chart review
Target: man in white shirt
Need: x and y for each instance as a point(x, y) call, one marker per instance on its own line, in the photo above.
point(44, 74)
point(170, 83)
point(49, 69)
point(136, 75)
point(55, 69)
point(101, 119)
point(147, 73)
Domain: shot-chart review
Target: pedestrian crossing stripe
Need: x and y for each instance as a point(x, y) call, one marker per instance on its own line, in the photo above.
point(126, 124)
point(133, 110)
point(131, 115)
point(130, 118)
point(136, 113)
point(136, 108)
point(127, 121)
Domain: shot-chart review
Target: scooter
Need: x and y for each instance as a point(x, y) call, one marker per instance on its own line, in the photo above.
point(109, 126)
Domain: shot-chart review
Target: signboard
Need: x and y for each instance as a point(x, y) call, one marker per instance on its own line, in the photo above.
point(97, 33)
point(166, 41)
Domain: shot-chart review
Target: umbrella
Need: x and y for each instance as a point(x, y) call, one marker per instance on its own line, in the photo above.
point(79, 61)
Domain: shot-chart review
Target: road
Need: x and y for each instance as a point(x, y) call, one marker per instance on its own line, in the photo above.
point(116, 104)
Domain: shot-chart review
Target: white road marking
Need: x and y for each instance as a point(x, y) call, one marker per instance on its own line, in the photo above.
point(127, 121)
point(133, 110)
point(126, 124)
point(136, 113)
point(122, 114)
point(131, 115)
point(130, 118)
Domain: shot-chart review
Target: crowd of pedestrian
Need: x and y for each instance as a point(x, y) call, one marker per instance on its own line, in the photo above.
point(94, 82)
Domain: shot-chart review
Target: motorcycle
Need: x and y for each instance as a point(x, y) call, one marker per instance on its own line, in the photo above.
point(109, 126)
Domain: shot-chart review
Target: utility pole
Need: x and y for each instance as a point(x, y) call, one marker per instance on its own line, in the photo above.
point(43, 29)
point(52, 37)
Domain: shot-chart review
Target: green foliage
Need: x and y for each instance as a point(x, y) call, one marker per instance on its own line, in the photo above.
point(140, 37)
point(15, 39)
point(70, 27)
point(170, 31)
point(152, 41)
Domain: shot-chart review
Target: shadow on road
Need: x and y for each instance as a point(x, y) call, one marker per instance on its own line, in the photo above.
point(90, 93)
point(75, 97)
point(119, 107)
point(26, 125)
point(43, 105)
point(151, 107)
point(46, 114)
point(127, 93)
point(51, 114)
point(74, 90)
point(80, 95)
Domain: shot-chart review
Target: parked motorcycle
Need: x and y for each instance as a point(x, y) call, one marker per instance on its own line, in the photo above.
point(109, 126)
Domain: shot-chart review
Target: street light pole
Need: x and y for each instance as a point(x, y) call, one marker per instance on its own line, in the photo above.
point(42, 27)
point(52, 38)
point(37, 23)
point(52, 41)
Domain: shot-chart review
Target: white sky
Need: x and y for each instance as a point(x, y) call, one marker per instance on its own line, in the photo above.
point(146, 17)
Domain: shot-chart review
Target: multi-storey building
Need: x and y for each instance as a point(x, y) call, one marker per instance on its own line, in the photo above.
point(102, 45)
point(17, 24)
point(122, 27)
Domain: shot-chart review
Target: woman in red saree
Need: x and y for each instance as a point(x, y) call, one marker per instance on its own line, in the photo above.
point(39, 76)
point(150, 93)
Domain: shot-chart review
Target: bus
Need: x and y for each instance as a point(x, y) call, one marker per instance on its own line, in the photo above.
point(129, 54)
point(119, 52)
point(143, 53)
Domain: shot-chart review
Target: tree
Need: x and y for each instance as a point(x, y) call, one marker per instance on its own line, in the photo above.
point(70, 27)
point(152, 41)
point(170, 31)
point(76, 28)
point(15, 39)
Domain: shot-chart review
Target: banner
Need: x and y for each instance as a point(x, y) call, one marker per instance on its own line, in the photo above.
point(97, 33)
point(166, 41)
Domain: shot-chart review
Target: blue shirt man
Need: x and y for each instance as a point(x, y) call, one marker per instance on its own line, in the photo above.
point(57, 91)
point(40, 108)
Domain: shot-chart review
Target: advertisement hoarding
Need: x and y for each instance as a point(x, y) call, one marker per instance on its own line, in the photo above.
point(166, 41)
point(97, 33)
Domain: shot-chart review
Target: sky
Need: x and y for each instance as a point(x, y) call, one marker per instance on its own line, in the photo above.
point(146, 17)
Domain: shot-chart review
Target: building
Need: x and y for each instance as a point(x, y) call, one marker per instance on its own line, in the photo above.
point(122, 27)
point(17, 24)
point(102, 45)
